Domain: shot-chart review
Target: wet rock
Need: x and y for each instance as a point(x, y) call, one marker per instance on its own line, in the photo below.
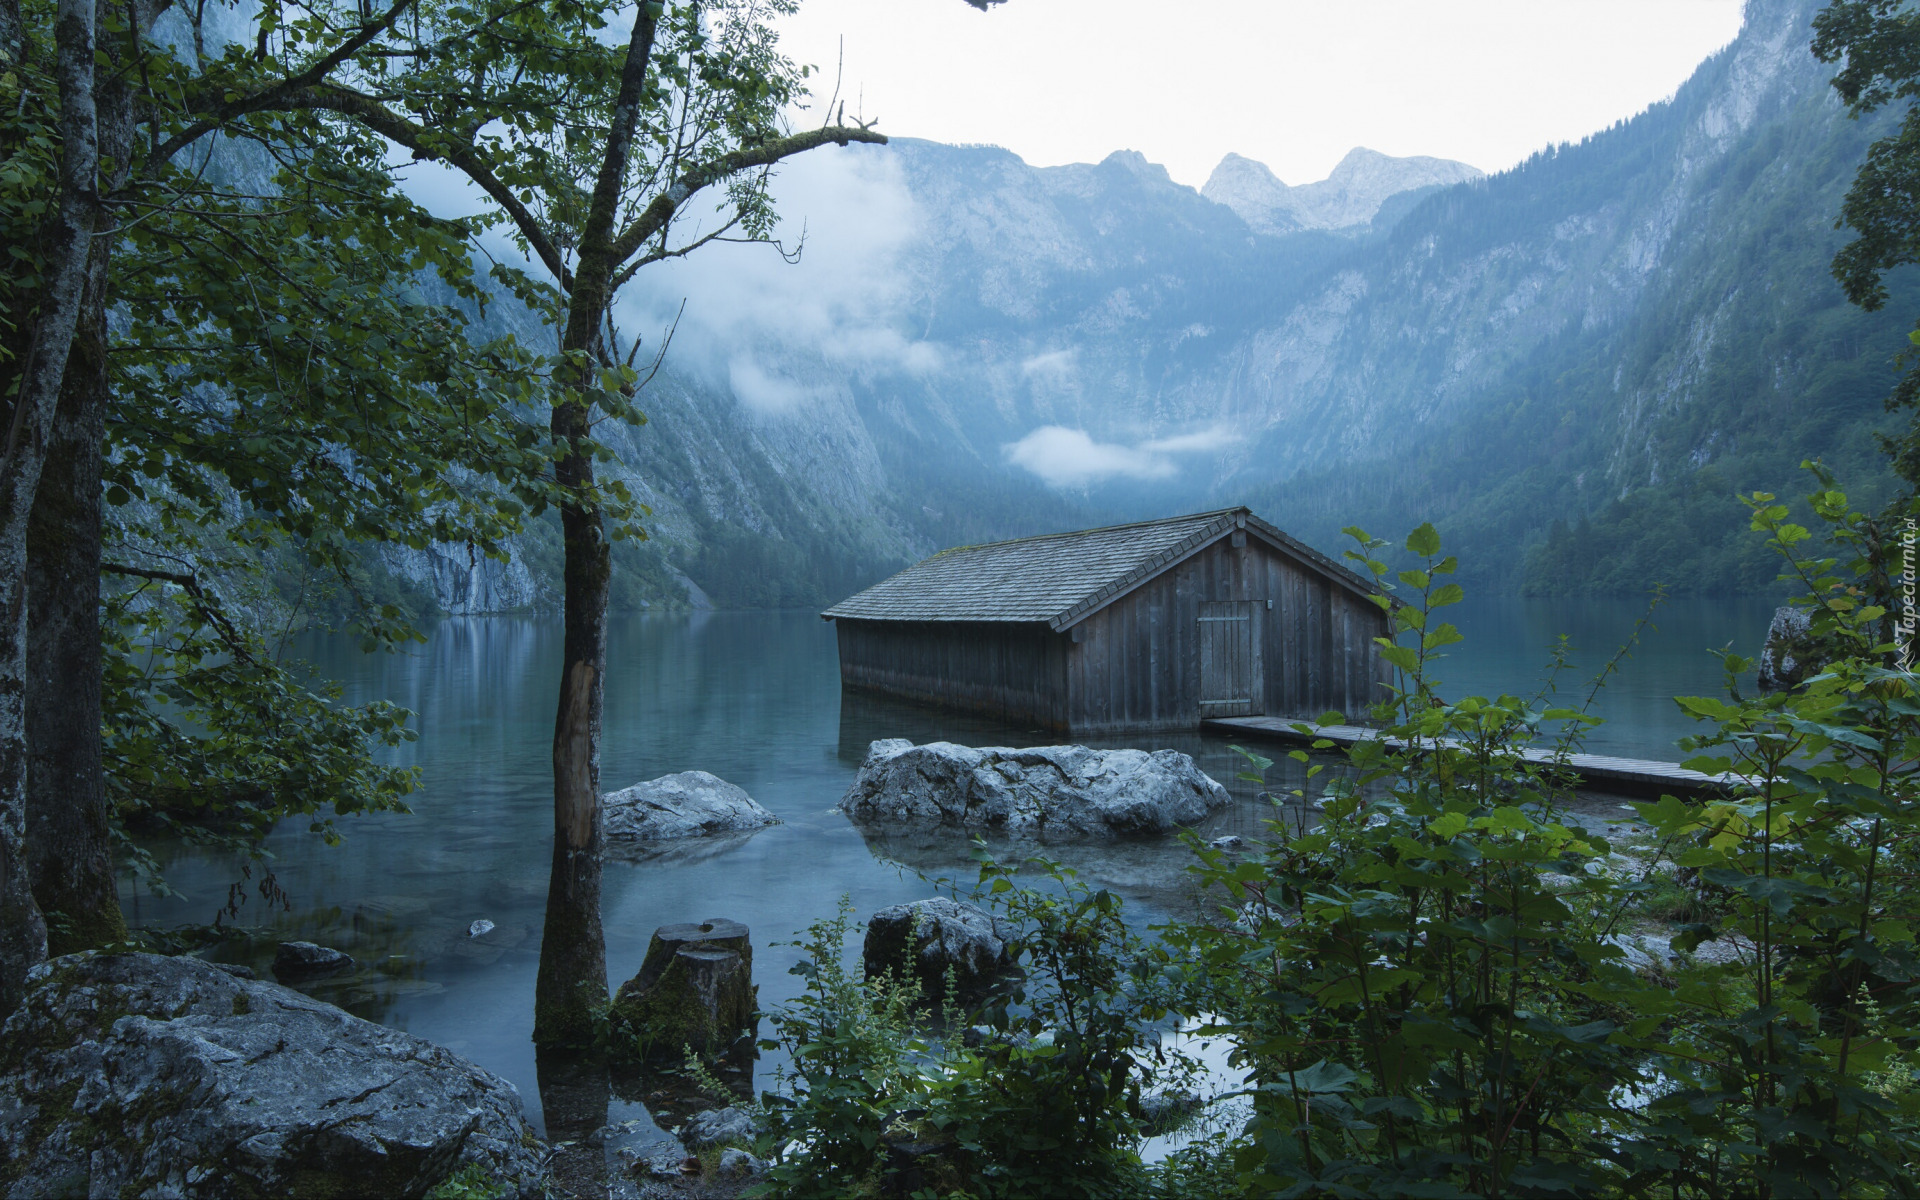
point(133, 1074)
point(736, 1165)
point(694, 988)
point(304, 960)
point(1229, 842)
point(479, 927)
point(690, 804)
point(656, 1160)
point(1043, 789)
point(1163, 1112)
point(931, 937)
point(1790, 654)
point(735, 1126)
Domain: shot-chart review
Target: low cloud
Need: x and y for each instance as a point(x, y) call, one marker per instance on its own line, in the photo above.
point(762, 392)
point(846, 304)
point(1199, 442)
point(1069, 458)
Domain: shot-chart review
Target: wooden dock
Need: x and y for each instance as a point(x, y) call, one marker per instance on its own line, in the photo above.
point(1600, 772)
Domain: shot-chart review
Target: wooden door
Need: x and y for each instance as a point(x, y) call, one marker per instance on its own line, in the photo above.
point(1230, 674)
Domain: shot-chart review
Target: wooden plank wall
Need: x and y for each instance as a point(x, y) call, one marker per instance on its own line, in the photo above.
point(1322, 654)
point(1137, 664)
point(1134, 666)
point(1013, 672)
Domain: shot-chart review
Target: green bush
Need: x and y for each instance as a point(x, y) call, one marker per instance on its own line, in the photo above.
point(1430, 989)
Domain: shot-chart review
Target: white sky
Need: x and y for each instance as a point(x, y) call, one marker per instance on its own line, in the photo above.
point(1292, 83)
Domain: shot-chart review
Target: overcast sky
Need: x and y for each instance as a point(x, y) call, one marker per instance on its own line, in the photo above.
point(1292, 83)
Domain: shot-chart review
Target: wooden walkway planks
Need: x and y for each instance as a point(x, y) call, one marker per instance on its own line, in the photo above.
point(1601, 772)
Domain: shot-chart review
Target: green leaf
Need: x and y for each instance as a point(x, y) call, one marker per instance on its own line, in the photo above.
point(1424, 541)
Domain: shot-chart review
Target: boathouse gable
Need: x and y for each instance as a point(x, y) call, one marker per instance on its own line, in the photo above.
point(1151, 626)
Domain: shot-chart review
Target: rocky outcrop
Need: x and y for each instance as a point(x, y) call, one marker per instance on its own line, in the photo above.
point(136, 1074)
point(1789, 655)
point(689, 804)
point(1056, 789)
point(931, 937)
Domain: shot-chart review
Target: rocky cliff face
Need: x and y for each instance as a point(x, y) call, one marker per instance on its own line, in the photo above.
point(1017, 348)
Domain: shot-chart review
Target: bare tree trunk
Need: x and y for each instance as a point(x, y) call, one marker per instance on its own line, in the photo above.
point(67, 831)
point(571, 987)
point(68, 838)
point(32, 384)
point(572, 983)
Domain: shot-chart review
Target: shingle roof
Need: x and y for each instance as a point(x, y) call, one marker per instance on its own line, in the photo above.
point(1063, 577)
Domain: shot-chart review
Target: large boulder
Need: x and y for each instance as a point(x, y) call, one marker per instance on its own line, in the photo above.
point(689, 804)
point(136, 1074)
point(930, 937)
point(1044, 789)
point(1790, 654)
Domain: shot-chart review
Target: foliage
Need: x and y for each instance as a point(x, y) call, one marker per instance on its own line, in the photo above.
point(470, 1182)
point(1877, 46)
point(1037, 1093)
point(208, 736)
point(857, 1064)
point(1429, 990)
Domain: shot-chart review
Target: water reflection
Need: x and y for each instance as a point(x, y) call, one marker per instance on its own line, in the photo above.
point(755, 699)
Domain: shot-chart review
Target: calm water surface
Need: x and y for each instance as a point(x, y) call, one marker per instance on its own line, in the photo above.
point(754, 698)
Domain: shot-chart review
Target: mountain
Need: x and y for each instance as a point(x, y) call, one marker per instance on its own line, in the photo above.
point(1571, 366)
point(1347, 199)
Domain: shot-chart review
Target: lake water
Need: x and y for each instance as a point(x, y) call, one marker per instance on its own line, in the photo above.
point(754, 698)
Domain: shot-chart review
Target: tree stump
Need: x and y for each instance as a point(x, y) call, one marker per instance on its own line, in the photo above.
point(695, 988)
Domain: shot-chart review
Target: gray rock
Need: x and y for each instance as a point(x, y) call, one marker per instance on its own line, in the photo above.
point(1644, 954)
point(931, 936)
point(656, 1160)
point(1043, 789)
point(237, 970)
point(738, 1164)
point(1228, 842)
point(690, 804)
point(304, 960)
point(479, 927)
point(135, 1074)
point(1789, 655)
point(718, 1125)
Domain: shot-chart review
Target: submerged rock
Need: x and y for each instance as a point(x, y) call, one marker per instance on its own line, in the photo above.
point(304, 960)
point(929, 937)
point(136, 1074)
point(694, 988)
point(1043, 789)
point(690, 804)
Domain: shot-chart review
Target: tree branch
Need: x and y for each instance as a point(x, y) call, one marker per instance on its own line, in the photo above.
point(438, 148)
point(203, 603)
point(661, 211)
point(274, 95)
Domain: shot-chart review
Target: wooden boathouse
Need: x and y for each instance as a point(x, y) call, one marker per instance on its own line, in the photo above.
point(1157, 625)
